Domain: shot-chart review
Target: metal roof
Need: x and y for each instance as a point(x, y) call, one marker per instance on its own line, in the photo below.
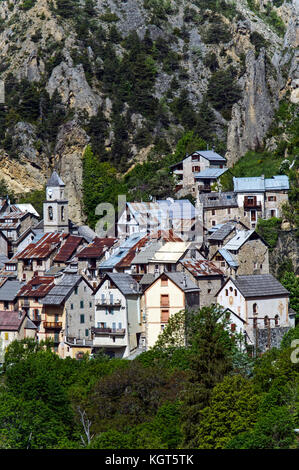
point(10, 289)
point(238, 240)
point(209, 155)
point(37, 287)
point(86, 232)
point(259, 285)
point(229, 257)
point(201, 267)
point(96, 248)
point(55, 180)
point(67, 250)
point(42, 248)
point(27, 208)
point(171, 252)
point(62, 289)
point(122, 251)
point(210, 173)
point(261, 184)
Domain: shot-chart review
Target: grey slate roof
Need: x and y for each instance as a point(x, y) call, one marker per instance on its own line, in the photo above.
point(259, 285)
point(3, 260)
point(30, 325)
point(217, 199)
point(61, 290)
point(182, 281)
point(9, 290)
point(147, 279)
point(147, 253)
point(124, 282)
point(55, 180)
point(222, 232)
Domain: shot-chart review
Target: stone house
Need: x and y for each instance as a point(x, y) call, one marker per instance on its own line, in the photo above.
point(118, 323)
point(245, 253)
point(90, 257)
point(260, 300)
point(205, 275)
point(261, 197)
point(9, 289)
point(68, 311)
point(168, 294)
point(199, 168)
point(217, 208)
point(218, 236)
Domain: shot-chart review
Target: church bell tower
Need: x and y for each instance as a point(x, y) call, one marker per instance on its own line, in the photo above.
point(55, 206)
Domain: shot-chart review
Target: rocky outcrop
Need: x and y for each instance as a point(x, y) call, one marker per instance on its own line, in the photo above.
point(286, 248)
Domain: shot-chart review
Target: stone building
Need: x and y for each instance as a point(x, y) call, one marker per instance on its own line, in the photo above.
point(260, 300)
point(200, 168)
point(205, 275)
point(14, 325)
point(56, 206)
point(245, 253)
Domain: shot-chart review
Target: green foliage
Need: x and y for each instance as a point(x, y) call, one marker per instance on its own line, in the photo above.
point(268, 230)
point(67, 8)
point(27, 4)
point(223, 91)
point(217, 32)
point(233, 410)
point(291, 282)
point(36, 198)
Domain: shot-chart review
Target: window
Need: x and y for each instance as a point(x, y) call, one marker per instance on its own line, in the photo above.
point(120, 326)
point(164, 300)
point(76, 290)
point(113, 326)
point(195, 169)
point(266, 320)
point(213, 223)
point(81, 304)
point(235, 292)
point(39, 262)
point(62, 213)
point(82, 319)
point(195, 158)
point(50, 212)
point(271, 198)
point(228, 210)
point(276, 319)
point(254, 308)
point(6, 305)
point(72, 306)
point(90, 304)
point(226, 292)
point(164, 316)
point(86, 332)
point(213, 212)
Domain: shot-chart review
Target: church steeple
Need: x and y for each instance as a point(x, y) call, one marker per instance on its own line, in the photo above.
point(55, 206)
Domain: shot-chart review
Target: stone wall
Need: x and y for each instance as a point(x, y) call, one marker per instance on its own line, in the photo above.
point(269, 338)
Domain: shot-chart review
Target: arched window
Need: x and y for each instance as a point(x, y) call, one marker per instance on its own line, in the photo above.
point(276, 318)
point(50, 212)
point(254, 308)
point(266, 320)
point(62, 212)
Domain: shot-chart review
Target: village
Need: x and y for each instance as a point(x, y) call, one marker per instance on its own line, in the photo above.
point(88, 293)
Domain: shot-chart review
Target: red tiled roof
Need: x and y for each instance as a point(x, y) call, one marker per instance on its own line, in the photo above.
point(96, 248)
point(38, 286)
point(43, 248)
point(68, 249)
point(10, 320)
point(166, 235)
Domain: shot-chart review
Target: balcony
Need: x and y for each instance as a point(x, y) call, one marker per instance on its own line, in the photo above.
point(109, 331)
point(252, 203)
point(52, 325)
point(108, 302)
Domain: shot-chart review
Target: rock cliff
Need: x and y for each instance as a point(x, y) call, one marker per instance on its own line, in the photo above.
point(63, 63)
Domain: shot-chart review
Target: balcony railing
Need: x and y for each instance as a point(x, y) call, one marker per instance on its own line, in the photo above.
point(52, 325)
point(252, 205)
point(109, 302)
point(112, 331)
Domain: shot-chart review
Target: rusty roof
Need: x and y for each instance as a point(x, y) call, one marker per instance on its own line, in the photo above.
point(166, 235)
point(43, 248)
point(201, 267)
point(68, 249)
point(38, 286)
point(97, 247)
point(126, 261)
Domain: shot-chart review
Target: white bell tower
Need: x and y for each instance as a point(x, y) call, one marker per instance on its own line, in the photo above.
point(56, 206)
